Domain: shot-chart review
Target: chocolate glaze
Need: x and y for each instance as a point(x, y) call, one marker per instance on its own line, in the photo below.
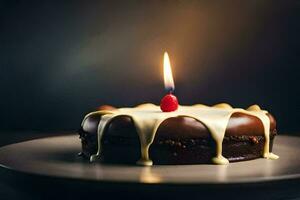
point(179, 140)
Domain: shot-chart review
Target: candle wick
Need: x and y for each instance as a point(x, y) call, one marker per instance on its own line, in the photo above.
point(170, 90)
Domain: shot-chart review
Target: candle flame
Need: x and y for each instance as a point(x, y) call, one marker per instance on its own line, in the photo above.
point(168, 77)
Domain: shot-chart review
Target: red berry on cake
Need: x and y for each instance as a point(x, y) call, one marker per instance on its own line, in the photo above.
point(169, 103)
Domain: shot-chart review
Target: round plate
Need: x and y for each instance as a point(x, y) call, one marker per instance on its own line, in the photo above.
point(57, 156)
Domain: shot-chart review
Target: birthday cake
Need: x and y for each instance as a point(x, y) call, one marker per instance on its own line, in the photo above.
point(194, 134)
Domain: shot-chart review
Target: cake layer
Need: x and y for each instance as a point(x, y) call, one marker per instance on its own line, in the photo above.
point(178, 140)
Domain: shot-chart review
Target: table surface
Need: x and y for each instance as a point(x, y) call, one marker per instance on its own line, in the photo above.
point(7, 192)
point(10, 137)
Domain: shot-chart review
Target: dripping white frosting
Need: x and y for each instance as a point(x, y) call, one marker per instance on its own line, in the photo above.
point(148, 117)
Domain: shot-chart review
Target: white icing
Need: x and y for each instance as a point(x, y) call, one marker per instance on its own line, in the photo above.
point(254, 108)
point(148, 117)
point(223, 105)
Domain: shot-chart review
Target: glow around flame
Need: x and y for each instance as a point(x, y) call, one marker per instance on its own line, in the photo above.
point(168, 76)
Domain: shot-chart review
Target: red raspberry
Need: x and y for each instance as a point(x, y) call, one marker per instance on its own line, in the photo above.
point(169, 103)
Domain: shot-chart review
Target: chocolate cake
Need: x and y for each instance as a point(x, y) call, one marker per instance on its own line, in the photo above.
point(192, 135)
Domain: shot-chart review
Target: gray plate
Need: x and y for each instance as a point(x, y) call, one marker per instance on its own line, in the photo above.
point(56, 157)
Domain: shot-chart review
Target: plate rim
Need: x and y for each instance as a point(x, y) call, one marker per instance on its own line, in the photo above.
point(256, 180)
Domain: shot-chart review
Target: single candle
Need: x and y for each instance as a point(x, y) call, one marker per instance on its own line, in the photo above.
point(169, 102)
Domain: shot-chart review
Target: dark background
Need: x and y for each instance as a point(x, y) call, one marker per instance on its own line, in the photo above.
point(62, 59)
